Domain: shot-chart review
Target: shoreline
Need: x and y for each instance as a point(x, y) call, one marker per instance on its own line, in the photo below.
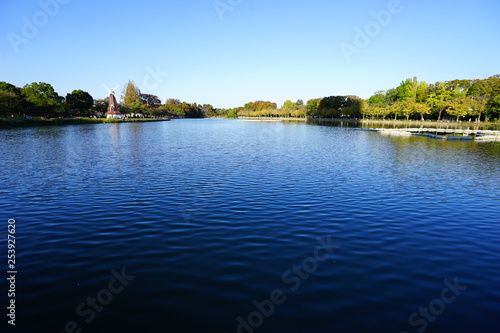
point(20, 122)
point(389, 123)
point(440, 133)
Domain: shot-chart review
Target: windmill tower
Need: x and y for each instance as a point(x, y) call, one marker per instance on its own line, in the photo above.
point(113, 107)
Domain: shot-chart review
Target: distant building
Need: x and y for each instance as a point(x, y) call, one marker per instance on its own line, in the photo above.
point(113, 107)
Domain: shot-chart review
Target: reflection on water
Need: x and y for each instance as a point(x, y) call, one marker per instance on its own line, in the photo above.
point(212, 216)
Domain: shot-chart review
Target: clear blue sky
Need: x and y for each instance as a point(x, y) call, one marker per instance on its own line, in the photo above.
point(260, 49)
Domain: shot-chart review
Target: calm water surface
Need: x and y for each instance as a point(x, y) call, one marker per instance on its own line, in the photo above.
point(232, 226)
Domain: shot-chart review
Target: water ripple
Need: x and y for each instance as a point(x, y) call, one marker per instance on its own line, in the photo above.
point(211, 216)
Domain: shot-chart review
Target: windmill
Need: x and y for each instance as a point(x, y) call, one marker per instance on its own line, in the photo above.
point(113, 107)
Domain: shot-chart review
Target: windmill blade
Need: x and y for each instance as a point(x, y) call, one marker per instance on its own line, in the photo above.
point(109, 91)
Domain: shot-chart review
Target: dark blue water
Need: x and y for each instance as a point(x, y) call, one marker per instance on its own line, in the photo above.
point(232, 226)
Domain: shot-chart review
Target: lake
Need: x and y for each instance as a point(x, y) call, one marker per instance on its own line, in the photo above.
point(215, 225)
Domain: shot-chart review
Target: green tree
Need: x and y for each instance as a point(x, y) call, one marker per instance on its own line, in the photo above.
point(131, 93)
point(313, 107)
point(79, 100)
point(42, 98)
point(331, 106)
point(493, 108)
point(462, 86)
point(485, 88)
point(407, 90)
point(250, 106)
point(299, 112)
point(208, 110)
point(378, 98)
point(459, 107)
point(395, 109)
point(194, 110)
point(172, 101)
point(263, 106)
point(478, 106)
point(162, 110)
point(178, 111)
point(232, 113)
point(353, 107)
point(9, 102)
point(405, 108)
point(4, 86)
point(439, 98)
point(422, 92)
point(100, 106)
point(391, 95)
point(10, 98)
point(150, 100)
point(422, 109)
point(373, 111)
point(289, 107)
point(136, 109)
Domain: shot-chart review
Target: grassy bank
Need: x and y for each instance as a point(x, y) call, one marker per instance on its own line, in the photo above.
point(429, 124)
point(13, 122)
point(390, 123)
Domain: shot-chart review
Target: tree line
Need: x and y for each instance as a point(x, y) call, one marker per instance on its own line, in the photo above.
point(40, 99)
point(327, 107)
point(457, 100)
